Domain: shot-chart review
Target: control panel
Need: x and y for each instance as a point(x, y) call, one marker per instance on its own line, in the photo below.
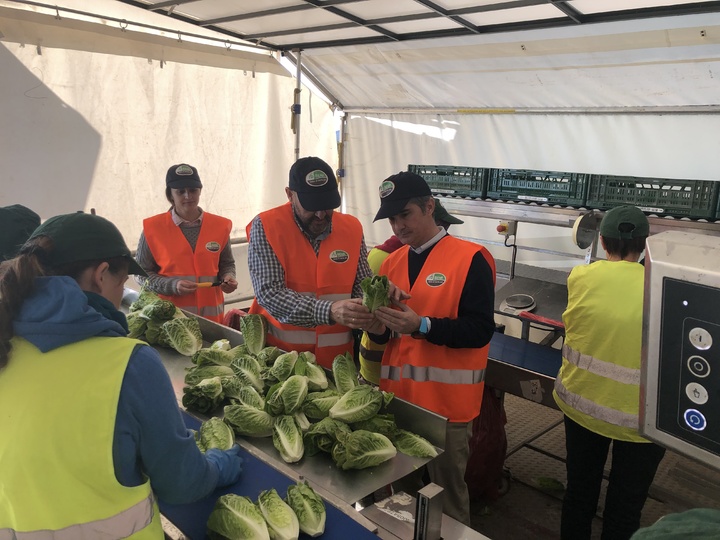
point(680, 386)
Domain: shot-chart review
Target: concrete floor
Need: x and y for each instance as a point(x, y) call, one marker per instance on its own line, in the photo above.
point(531, 510)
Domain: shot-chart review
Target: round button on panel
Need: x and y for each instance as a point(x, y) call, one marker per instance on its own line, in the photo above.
point(698, 366)
point(696, 393)
point(695, 419)
point(700, 338)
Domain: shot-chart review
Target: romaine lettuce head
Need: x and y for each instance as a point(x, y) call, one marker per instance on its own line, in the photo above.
point(322, 436)
point(136, 325)
point(204, 396)
point(183, 335)
point(362, 449)
point(308, 507)
point(248, 421)
point(146, 297)
point(268, 355)
point(214, 433)
point(301, 420)
point(239, 392)
point(360, 403)
point(196, 374)
point(344, 372)
point(317, 404)
point(280, 518)
point(212, 357)
point(253, 328)
point(412, 444)
point(247, 369)
point(288, 439)
point(235, 516)
point(380, 423)
point(293, 393)
point(283, 366)
point(317, 380)
point(153, 329)
point(376, 291)
point(158, 310)
point(222, 344)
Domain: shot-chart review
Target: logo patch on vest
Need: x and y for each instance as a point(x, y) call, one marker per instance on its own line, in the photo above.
point(212, 246)
point(316, 179)
point(386, 188)
point(339, 256)
point(436, 279)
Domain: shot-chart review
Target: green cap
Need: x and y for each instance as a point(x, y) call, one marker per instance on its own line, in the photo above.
point(440, 214)
point(632, 215)
point(85, 237)
point(17, 223)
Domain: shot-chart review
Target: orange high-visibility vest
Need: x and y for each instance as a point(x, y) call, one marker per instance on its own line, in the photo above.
point(330, 275)
point(449, 382)
point(173, 253)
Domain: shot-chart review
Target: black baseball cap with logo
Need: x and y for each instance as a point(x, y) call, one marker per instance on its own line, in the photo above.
point(315, 184)
point(397, 190)
point(182, 176)
point(85, 237)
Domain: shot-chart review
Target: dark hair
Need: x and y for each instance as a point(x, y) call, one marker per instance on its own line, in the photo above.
point(623, 247)
point(421, 201)
point(17, 282)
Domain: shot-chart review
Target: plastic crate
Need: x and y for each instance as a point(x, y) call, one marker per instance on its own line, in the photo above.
point(568, 189)
point(452, 180)
point(681, 198)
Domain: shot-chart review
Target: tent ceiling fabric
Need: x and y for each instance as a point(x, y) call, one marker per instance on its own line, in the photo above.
point(312, 24)
point(483, 55)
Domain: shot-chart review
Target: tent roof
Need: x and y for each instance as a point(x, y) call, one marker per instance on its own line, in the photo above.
point(463, 55)
point(311, 24)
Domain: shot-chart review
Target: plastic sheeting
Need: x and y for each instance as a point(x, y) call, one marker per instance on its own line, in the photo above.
point(378, 145)
point(85, 130)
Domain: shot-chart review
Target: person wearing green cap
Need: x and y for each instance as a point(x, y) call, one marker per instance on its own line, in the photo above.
point(17, 222)
point(598, 386)
point(91, 431)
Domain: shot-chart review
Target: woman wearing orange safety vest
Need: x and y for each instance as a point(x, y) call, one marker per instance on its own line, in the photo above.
point(437, 354)
point(92, 436)
point(186, 252)
point(306, 263)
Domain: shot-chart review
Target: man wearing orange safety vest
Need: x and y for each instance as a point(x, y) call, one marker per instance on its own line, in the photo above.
point(185, 251)
point(438, 340)
point(306, 263)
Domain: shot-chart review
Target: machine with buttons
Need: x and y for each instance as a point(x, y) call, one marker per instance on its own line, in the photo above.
point(680, 376)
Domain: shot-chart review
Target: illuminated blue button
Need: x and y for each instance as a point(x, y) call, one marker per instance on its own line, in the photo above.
point(695, 419)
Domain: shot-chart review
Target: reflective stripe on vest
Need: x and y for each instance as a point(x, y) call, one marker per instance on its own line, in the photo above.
point(116, 527)
point(297, 337)
point(608, 370)
point(600, 412)
point(334, 297)
point(433, 374)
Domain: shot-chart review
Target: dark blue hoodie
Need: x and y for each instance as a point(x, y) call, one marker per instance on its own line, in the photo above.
point(151, 439)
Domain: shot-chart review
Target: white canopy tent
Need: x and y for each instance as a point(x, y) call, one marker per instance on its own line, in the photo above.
point(600, 86)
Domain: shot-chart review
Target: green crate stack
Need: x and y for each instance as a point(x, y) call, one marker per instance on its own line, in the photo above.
point(549, 187)
point(680, 198)
point(452, 180)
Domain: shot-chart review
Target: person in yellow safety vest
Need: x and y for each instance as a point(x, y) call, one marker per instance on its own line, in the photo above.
point(437, 353)
point(306, 263)
point(92, 435)
point(597, 387)
point(185, 251)
point(370, 353)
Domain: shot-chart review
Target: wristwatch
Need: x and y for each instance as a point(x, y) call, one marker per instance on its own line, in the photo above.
point(421, 333)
